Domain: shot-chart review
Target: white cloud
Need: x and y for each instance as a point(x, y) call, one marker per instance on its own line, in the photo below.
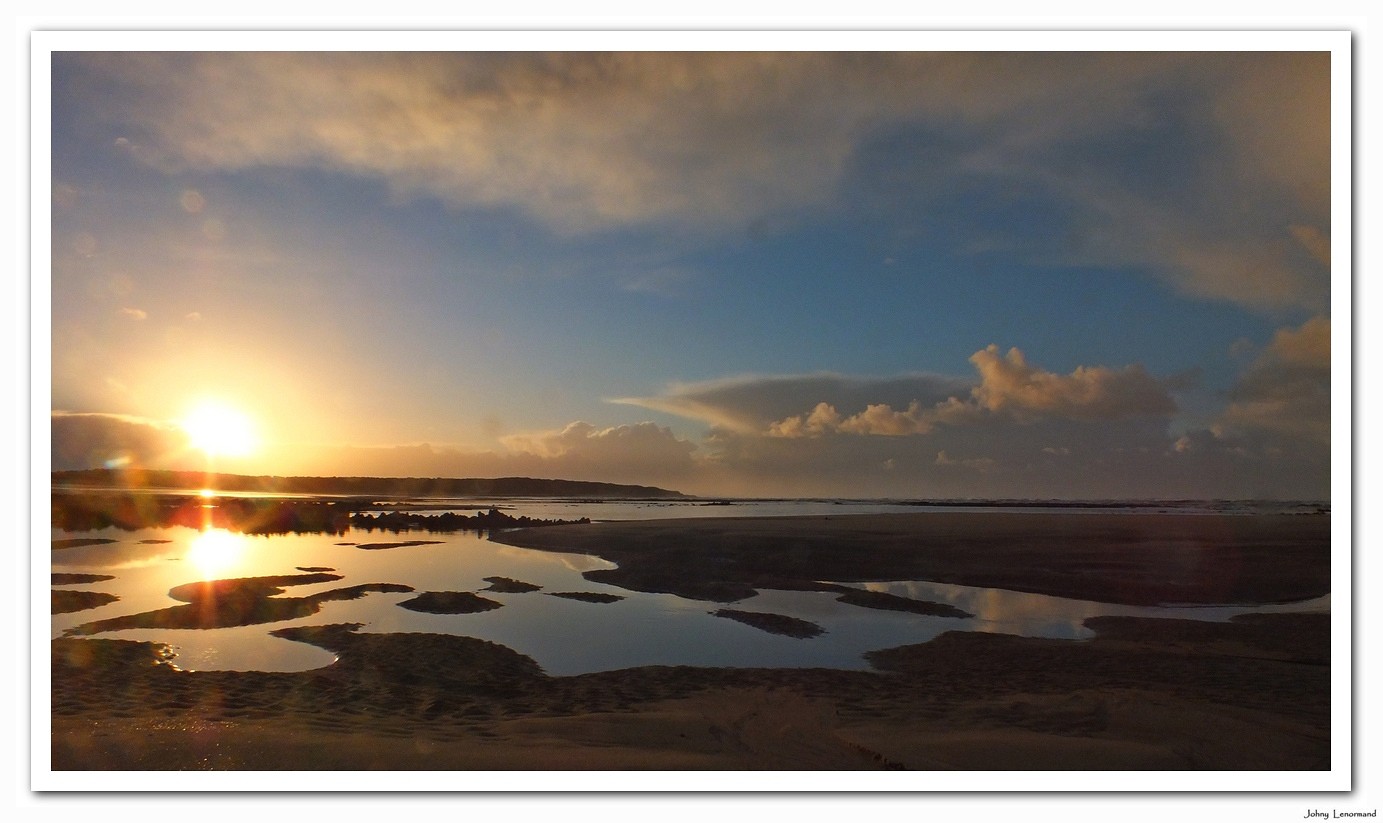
point(1008, 388)
point(876, 419)
point(822, 419)
point(753, 404)
point(581, 140)
point(592, 141)
point(881, 419)
point(1009, 385)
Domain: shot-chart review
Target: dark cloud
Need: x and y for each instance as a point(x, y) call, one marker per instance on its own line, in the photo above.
point(86, 441)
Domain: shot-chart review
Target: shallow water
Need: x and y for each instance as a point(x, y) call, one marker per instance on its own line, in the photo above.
point(564, 636)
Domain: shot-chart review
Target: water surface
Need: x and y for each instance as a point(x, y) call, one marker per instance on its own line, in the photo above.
point(564, 636)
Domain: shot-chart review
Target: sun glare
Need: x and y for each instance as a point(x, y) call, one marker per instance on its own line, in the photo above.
point(215, 551)
point(218, 429)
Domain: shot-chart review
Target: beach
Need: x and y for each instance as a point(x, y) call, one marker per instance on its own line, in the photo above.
point(1252, 693)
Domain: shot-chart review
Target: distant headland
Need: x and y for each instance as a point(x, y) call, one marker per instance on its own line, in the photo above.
point(354, 486)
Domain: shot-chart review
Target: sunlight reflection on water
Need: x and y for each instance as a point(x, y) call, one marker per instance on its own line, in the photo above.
point(217, 553)
point(564, 636)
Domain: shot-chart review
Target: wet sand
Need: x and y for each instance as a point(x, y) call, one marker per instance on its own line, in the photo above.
point(1133, 559)
point(1251, 694)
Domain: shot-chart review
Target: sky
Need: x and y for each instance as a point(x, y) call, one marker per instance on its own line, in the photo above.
point(1036, 274)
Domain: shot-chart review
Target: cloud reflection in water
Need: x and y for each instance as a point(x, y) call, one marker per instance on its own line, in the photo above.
point(1038, 615)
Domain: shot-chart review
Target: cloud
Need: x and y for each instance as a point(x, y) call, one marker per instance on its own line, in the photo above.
point(1286, 391)
point(641, 453)
point(1211, 173)
point(980, 463)
point(1272, 438)
point(623, 451)
point(1017, 430)
point(751, 404)
point(1009, 385)
point(83, 441)
point(824, 418)
point(993, 457)
point(134, 314)
point(877, 418)
point(1208, 170)
point(1237, 239)
point(637, 453)
point(1008, 388)
point(1314, 240)
point(881, 419)
point(1277, 116)
point(580, 140)
point(1012, 430)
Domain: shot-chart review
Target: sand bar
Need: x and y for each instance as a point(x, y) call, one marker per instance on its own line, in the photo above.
point(963, 701)
point(1144, 694)
point(1133, 559)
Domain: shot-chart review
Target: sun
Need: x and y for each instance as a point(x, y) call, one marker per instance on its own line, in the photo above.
point(219, 429)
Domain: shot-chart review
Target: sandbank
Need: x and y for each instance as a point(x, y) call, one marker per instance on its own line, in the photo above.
point(963, 701)
point(1249, 694)
point(773, 623)
point(450, 603)
point(1133, 559)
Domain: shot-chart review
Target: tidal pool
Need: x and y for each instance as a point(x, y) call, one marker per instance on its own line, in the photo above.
point(565, 636)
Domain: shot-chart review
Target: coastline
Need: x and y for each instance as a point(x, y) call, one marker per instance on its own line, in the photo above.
point(1144, 694)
